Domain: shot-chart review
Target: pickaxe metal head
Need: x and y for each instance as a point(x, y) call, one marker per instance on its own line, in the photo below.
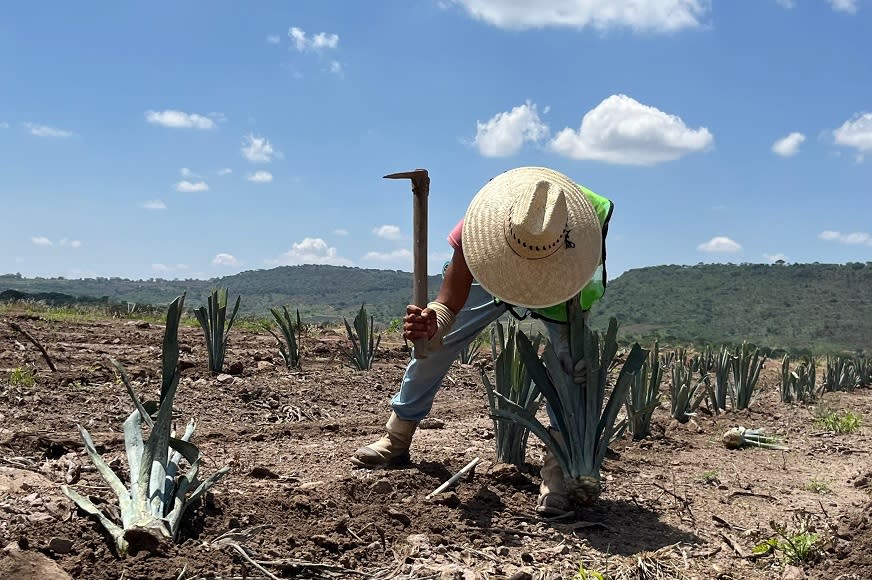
point(420, 180)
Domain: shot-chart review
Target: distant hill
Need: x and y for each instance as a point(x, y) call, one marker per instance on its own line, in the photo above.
point(819, 307)
point(320, 292)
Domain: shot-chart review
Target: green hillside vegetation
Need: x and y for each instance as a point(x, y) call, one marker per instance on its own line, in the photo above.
point(322, 293)
point(813, 307)
point(819, 307)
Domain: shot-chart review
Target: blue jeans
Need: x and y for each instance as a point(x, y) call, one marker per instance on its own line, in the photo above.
point(423, 377)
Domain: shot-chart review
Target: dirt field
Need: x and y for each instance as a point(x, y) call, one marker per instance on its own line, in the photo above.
point(677, 501)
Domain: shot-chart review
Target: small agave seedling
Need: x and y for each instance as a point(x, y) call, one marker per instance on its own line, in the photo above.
point(586, 426)
point(213, 322)
point(152, 509)
point(363, 341)
point(292, 333)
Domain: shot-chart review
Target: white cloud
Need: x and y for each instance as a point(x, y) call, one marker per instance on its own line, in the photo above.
point(4, 125)
point(179, 119)
point(189, 174)
point(46, 131)
point(41, 241)
point(397, 257)
point(273, 38)
point(772, 258)
point(154, 204)
point(311, 251)
point(223, 259)
point(506, 132)
point(340, 232)
point(847, 6)
point(786, 3)
point(225, 171)
point(335, 68)
point(298, 37)
point(788, 146)
point(257, 149)
point(720, 245)
point(388, 232)
point(70, 243)
point(318, 42)
point(260, 177)
point(325, 40)
point(642, 15)
point(186, 186)
point(852, 239)
point(623, 130)
point(856, 133)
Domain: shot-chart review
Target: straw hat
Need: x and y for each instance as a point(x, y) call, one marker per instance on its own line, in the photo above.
point(531, 237)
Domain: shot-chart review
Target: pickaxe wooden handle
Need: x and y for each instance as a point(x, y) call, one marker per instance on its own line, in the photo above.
point(420, 190)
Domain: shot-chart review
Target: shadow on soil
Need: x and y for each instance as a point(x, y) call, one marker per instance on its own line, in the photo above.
point(628, 529)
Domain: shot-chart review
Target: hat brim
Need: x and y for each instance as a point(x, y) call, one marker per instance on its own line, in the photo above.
point(532, 283)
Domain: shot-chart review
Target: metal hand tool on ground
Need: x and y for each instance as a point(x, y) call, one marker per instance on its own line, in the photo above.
point(420, 190)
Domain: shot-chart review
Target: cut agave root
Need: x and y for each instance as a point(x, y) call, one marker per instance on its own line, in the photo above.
point(738, 437)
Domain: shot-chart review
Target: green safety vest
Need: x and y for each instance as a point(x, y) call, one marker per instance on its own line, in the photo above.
point(594, 289)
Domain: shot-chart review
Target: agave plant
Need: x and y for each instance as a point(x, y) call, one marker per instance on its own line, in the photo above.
point(805, 383)
point(363, 342)
point(216, 326)
point(840, 374)
point(787, 388)
point(586, 426)
point(152, 509)
point(512, 382)
point(644, 394)
point(722, 367)
point(292, 332)
point(685, 393)
point(469, 353)
point(747, 364)
point(863, 368)
point(799, 384)
point(702, 362)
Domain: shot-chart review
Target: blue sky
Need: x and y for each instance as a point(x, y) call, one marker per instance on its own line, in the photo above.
point(198, 139)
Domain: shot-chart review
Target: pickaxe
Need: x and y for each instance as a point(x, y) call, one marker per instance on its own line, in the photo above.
point(420, 190)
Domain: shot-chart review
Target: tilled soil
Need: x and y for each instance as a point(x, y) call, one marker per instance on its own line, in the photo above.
point(675, 505)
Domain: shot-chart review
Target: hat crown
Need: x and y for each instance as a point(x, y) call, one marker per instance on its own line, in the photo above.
point(537, 220)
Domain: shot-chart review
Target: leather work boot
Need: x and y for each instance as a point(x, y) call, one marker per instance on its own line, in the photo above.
point(392, 449)
point(553, 500)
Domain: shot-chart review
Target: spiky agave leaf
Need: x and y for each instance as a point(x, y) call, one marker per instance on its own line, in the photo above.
point(644, 394)
point(512, 383)
point(747, 364)
point(179, 502)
